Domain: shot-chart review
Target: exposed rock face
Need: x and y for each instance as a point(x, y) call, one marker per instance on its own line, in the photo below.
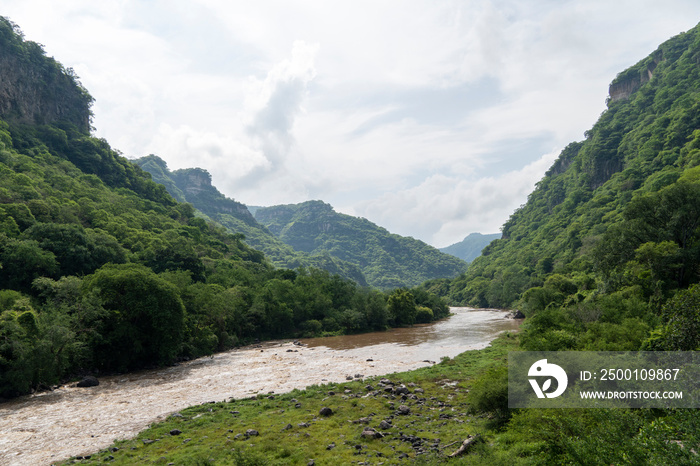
point(196, 180)
point(36, 89)
point(195, 183)
point(624, 86)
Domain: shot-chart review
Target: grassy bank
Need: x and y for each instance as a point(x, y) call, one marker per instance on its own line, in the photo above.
point(421, 415)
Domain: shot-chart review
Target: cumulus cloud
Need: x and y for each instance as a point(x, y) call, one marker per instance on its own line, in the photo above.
point(280, 100)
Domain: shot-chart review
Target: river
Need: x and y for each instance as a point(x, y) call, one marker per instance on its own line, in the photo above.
point(50, 426)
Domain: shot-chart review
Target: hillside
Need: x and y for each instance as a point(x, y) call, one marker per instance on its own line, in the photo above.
point(193, 185)
point(471, 246)
point(101, 270)
point(610, 236)
point(386, 260)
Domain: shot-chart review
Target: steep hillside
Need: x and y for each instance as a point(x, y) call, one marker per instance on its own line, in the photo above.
point(387, 260)
point(471, 246)
point(193, 185)
point(610, 234)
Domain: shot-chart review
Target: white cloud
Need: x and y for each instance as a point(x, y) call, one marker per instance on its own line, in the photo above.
point(280, 101)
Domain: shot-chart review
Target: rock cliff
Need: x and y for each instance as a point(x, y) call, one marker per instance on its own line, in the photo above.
point(36, 89)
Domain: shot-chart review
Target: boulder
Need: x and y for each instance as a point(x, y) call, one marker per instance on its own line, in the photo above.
point(369, 432)
point(325, 411)
point(516, 314)
point(88, 381)
point(401, 390)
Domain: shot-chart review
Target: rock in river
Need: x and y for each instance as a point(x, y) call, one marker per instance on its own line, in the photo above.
point(88, 381)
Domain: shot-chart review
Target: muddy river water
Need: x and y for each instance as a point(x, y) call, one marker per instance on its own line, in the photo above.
point(46, 427)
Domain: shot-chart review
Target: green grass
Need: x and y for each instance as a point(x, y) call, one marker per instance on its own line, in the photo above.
point(292, 432)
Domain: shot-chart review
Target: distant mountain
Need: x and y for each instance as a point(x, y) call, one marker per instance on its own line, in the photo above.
point(470, 247)
point(386, 260)
point(193, 185)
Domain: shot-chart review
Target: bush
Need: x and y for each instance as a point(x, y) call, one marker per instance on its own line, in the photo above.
point(489, 393)
point(311, 328)
point(424, 315)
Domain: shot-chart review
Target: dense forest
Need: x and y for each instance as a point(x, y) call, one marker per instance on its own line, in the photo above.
point(103, 270)
point(605, 255)
point(386, 260)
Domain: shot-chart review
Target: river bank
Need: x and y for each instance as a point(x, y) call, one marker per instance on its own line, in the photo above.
point(70, 421)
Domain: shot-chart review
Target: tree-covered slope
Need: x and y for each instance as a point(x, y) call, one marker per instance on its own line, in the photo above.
point(471, 246)
point(605, 256)
point(610, 234)
point(193, 185)
point(102, 270)
point(387, 260)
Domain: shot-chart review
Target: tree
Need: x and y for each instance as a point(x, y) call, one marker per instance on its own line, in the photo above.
point(402, 307)
point(682, 329)
point(22, 262)
point(146, 316)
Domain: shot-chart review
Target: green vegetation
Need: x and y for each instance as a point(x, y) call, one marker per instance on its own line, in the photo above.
point(386, 260)
point(37, 89)
point(101, 270)
point(604, 257)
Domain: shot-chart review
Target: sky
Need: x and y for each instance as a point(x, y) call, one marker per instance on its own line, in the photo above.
point(433, 119)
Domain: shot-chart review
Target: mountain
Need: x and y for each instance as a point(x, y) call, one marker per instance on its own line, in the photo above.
point(311, 234)
point(102, 270)
point(193, 185)
point(386, 260)
point(471, 246)
point(609, 240)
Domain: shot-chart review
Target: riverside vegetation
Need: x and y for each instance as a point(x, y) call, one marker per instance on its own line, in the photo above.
point(603, 256)
point(102, 270)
